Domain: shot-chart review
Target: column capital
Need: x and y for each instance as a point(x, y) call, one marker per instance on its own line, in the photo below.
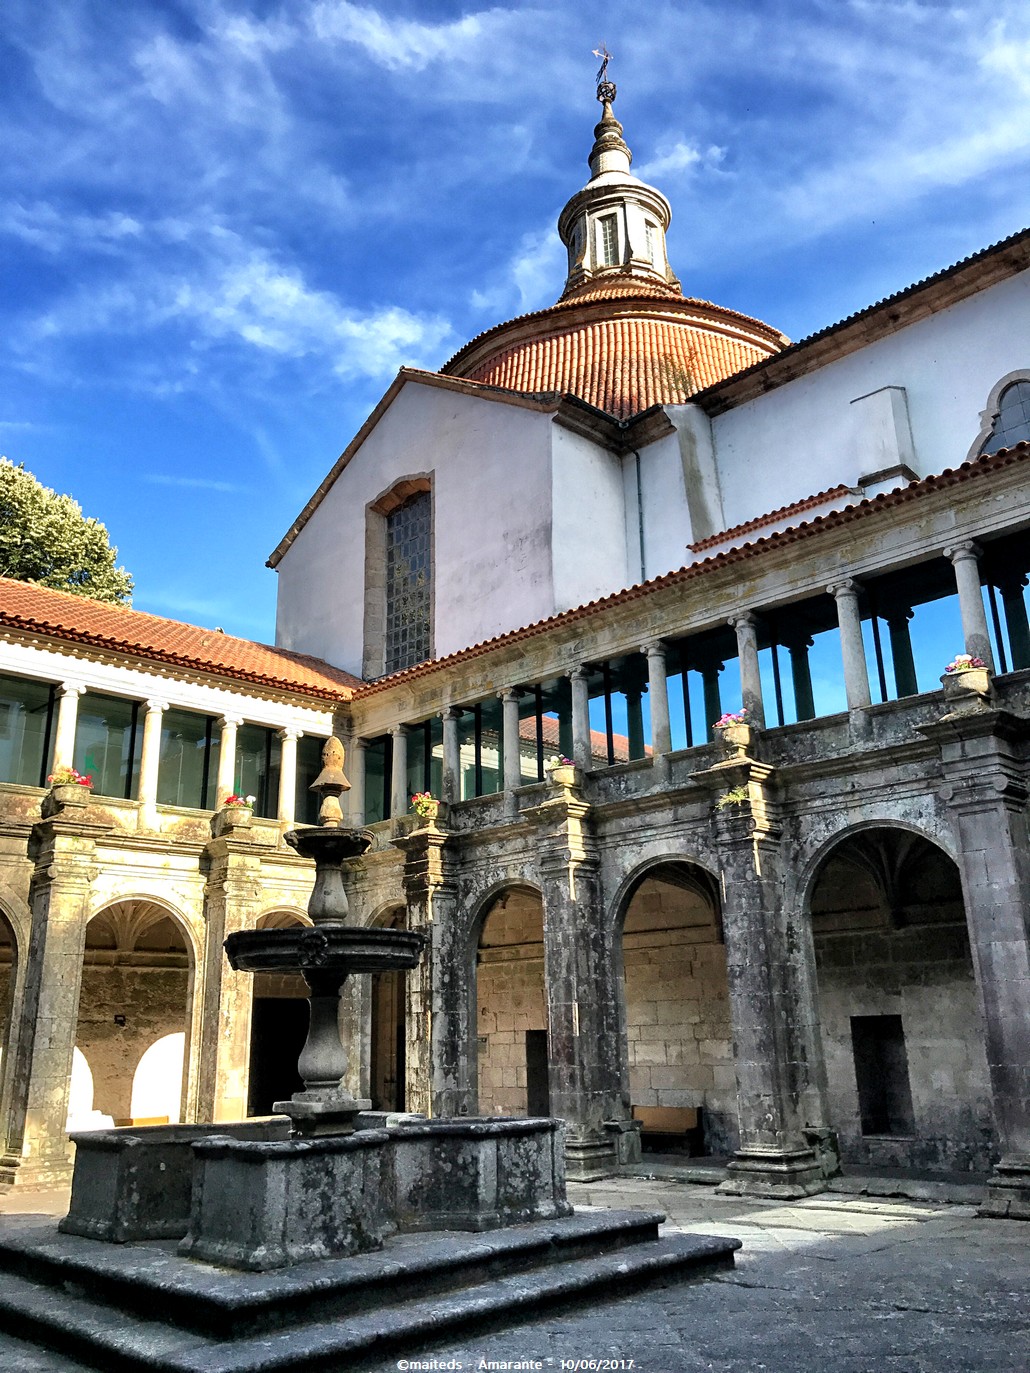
point(577, 673)
point(358, 742)
point(847, 586)
point(399, 731)
point(155, 706)
point(71, 688)
point(508, 694)
point(656, 648)
point(290, 732)
point(231, 721)
point(961, 552)
point(747, 619)
point(451, 713)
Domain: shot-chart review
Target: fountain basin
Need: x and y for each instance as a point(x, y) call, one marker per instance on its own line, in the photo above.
point(344, 948)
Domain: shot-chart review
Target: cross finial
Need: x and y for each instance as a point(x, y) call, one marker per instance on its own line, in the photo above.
point(605, 88)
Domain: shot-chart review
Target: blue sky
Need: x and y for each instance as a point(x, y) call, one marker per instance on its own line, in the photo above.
point(226, 223)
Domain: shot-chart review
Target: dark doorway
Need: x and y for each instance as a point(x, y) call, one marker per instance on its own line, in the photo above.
point(279, 1027)
point(881, 1072)
point(538, 1092)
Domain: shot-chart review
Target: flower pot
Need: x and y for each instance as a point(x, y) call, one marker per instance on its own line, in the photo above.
point(565, 776)
point(64, 794)
point(231, 818)
point(427, 815)
point(968, 685)
point(735, 739)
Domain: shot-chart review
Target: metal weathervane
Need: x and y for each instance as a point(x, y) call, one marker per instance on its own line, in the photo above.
point(605, 88)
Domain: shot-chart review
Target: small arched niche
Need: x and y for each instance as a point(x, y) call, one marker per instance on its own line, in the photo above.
point(511, 1007)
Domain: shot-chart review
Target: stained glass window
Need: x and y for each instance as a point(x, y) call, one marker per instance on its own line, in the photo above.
point(408, 582)
point(1013, 422)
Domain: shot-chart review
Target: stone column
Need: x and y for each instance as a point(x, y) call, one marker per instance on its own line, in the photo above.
point(37, 1152)
point(770, 966)
point(441, 1021)
point(986, 789)
point(801, 677)
point(635, 722)
point(509, 699)
point(451, 754)
point(746, 629)
point(582, 752)
point(901, 651)
point(579, 975)
point(1011, 588)
point(852, 645)
point(149, 763)
point(226, 781)
point(355, 771)
point(399, 799)
point(287, 809)
point(658, 695)
point(965, 558)
point(68, 694)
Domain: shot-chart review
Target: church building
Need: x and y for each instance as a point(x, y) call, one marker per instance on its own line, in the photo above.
point(713, 649)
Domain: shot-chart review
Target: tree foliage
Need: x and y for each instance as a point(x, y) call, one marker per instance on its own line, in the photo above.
point(45, 538)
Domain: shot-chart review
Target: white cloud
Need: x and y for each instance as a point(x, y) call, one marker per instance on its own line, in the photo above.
point(399, 44)
point(197, 483)
point(534, 276)
point(680, 157)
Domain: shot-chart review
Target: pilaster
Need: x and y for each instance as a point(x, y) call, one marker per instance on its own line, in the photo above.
point(583, 1037)
point(769, 958)
point(37, 1151)
point(984, 759)
point(437, 1061)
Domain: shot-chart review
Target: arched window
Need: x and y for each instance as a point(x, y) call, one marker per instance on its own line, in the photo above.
point(1012, 422)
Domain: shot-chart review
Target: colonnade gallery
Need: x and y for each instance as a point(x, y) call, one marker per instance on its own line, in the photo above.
point(795, 942)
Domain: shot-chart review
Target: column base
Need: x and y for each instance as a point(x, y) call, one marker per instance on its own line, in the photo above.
point(588, 1157)
point(783, 1174)
point(1008, 1190)
point(34, 1175)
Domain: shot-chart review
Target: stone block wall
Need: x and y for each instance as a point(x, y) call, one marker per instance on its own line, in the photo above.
point(680, 1042)
point(925, 976)
point(510, 1000)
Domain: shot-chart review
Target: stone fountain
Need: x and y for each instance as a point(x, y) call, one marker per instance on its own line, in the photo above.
point(326, 954)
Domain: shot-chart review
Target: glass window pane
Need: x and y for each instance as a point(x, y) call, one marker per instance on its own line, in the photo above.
point(27, 714)
point(107, 744)
point(257, 768)
point(185, 772)
point(377, 794)
point(408, 590)
point(309, 765)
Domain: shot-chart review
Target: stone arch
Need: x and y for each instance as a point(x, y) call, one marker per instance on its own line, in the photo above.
point(991, 411)
point(278, 1023)
point(138, 985)
point(907, 1075)
point(674, 1010)
point(509, 1000)
point(807, 870)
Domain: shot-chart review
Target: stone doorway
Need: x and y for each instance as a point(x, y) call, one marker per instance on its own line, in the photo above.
point(387, 1060)
point(511, 1005)
point(278, 1028)
point(676, 1012)
point(137, 984)
point(906, 1068)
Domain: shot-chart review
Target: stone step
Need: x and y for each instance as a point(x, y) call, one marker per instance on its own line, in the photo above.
point(104, 1337)
point(148, 1277)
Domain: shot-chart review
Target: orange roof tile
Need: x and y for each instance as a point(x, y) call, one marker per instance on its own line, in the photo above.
point(622, 346)
point(117, 629)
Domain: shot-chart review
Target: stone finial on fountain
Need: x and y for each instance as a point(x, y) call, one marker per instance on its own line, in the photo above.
point(331, 784)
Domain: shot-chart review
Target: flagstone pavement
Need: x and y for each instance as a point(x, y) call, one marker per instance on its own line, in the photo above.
point(838, 1284)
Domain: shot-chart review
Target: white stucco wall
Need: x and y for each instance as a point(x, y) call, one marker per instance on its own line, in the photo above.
point(491, 471)
point(589, 521)
point(801, 438)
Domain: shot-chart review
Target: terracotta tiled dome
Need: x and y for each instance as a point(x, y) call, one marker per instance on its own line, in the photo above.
point(621, 344)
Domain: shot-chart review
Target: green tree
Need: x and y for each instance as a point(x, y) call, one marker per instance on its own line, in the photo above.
point(45, 538)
